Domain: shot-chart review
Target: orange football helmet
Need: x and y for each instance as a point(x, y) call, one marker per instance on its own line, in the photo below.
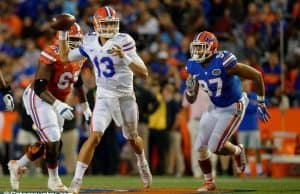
point(75, 36)
point(204, 45)
point(106, 22)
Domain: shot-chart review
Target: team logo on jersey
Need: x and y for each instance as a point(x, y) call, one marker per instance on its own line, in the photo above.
point(216, 72)
point(109, 51)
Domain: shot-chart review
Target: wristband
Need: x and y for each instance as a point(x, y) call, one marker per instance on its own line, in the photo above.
point(62, 35)
point(260, 98)
point(127, 60)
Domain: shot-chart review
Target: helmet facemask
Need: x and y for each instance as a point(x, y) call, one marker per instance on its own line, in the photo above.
point(107, 28)
point(200, 51)
point(74, 41)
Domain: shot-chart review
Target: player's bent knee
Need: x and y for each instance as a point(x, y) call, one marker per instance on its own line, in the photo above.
point(95, 138)
point(204, 154)
point(35, 150)
point(53, 150)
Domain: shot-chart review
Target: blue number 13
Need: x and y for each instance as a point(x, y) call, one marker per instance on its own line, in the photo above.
point(109, 71)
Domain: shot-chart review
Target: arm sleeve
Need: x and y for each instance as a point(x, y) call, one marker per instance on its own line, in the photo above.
point(129, 44)
point(135, 57)
point(77, 54)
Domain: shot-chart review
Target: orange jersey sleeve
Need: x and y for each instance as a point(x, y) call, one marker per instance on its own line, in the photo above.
point(49, 55)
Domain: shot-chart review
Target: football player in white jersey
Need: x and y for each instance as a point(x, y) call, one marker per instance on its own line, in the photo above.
point(115, 61)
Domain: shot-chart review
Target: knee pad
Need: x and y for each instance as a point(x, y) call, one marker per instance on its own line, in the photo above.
point(130, 131)
point(53, 150)
point(204, 153)
point(35, 151)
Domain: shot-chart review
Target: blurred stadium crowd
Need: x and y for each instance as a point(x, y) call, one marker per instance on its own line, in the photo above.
point(163, 30)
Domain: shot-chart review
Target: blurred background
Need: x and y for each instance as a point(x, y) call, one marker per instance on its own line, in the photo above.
point(262, 34)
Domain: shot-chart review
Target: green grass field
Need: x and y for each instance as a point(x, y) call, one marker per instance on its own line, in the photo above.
point(163, 184)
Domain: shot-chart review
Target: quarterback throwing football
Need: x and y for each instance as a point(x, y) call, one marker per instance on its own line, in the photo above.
point(115, 61)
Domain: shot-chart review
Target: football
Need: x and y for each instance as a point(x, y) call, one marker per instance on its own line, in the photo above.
point(62, 21)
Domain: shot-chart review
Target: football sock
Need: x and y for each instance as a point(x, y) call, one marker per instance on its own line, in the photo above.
point(141, 157)
point(237, 150)
point(24, 161)
point(208, 177)
point(80, 170)
point(53, 172)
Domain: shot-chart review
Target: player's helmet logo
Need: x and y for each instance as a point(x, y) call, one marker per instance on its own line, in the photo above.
point(75, 36)
point(106, 22)
point(204, 45)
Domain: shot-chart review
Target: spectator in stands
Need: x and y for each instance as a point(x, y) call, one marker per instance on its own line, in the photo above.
point(271, 73)
point(280, 99)
point(159, 138)
point(175, 161)
point(248, 133)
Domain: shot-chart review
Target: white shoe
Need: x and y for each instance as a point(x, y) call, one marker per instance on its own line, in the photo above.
point(75, 186)
point(207, 186)
point(16, 173)
point(241, 160)
point(145, 174)
point(55, 184)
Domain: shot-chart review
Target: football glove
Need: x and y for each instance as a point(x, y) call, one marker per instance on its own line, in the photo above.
point(190, 85)
point(8, 99)
point(86, 110)
point(63, 109)
point(262, 112)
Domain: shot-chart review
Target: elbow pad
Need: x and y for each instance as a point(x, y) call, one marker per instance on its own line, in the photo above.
point(40, 86)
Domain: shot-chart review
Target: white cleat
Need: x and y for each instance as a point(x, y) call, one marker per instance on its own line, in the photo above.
point(16, 173)
point(145, 174)
point(241, 160)
point(207, 186)
point(75, 186)
point(55, 184)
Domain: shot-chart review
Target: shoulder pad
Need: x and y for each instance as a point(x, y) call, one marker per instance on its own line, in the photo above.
point(49, 54)
point(228, 59)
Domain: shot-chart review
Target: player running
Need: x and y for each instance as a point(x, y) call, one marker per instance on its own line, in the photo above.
point(217, 73)
point(115, 60)
point(44, 101)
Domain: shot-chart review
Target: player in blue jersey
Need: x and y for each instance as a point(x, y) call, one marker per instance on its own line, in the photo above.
point(217, 73)
point(248, 133)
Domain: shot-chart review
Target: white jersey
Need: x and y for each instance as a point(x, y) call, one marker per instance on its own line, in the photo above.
point(113, 77)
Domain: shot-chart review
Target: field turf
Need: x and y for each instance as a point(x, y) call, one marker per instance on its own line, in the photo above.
point(163, 184)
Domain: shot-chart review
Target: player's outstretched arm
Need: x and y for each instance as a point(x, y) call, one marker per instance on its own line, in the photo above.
point(63, 45)
point(7, 95)
point(247, 72)
point(192, 87)
point(250, 73)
